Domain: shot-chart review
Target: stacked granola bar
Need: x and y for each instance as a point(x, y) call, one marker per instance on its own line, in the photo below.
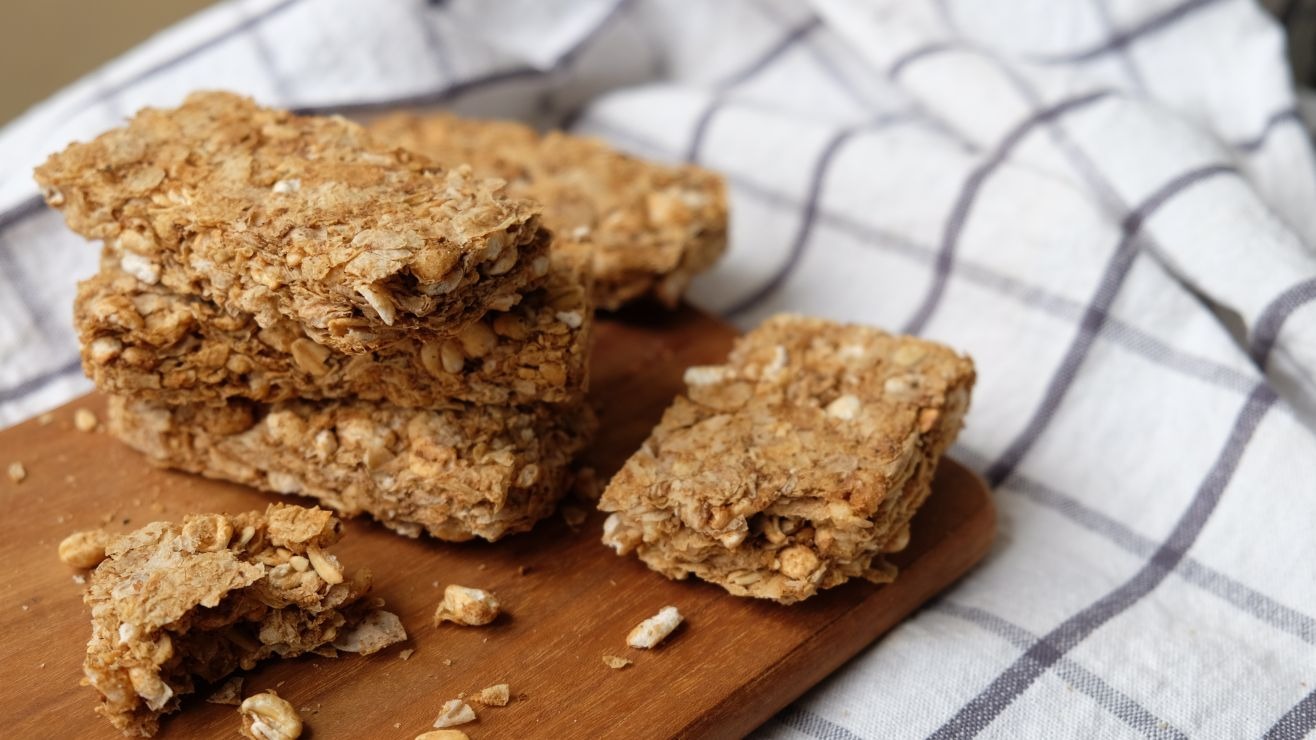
point(648, 228)
point(292, 303)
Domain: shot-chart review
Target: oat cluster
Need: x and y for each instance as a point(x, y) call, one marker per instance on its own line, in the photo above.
point(796, 465)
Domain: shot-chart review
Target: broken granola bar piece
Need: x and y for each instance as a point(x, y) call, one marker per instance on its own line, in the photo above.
point(616, 662)
point(648, 634)
point(457, 473)
point(454, 712)
point(303, 218)
point(650, 228)
point(175, 606)
point(149, 342)
point(497, 695)
point(796, 465)
point(473, 607)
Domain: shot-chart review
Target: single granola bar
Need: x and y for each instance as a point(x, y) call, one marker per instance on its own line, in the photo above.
point(148, 342)
point(649, 227)
point(174, 606)
point(797, 464)
point(304, 218)
point(457, 473)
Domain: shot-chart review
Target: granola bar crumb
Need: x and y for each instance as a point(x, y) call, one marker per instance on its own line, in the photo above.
point(266, 716)
point(229, 692)
point(616, 662)
point(79, 579)
point(17, 473)
point(85, 420)
point(455, 712)
point(84, 549)
point(441, 735)
point(469, 606)
point(495, 696)
point(377, 630)
point(655, 629)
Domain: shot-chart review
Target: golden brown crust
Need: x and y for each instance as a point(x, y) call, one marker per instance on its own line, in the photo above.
point(794, 466)
point(148, 342)
point(304, 218)
point(456, 473)
point(650, 228)
point(177, 605)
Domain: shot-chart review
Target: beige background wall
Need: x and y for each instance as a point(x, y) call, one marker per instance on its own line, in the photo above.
point(46, 44)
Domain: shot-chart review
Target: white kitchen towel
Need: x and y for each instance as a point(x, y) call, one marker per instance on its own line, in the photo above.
point(1110, 204)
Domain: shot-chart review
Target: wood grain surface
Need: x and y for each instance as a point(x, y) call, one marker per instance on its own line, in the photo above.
point(732, 665)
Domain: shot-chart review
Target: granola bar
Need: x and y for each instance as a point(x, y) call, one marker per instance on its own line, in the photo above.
point(796, 465)
point(304, 218)
point(650, 228)
point(177, 606)
point(457, 473)
point(148, 342)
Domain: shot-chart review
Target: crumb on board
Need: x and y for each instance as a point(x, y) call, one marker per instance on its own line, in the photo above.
point(405, 654)
point(649, 633)
point(45, 418)
point(455, 712)
point(440, 734)
point(376, 631)
point(615, 662)
point(85, 420)
point(469, 606)
point(523, 569)
point(84, 549)
point(267, 716)
point(17, 473)
point(495, 696)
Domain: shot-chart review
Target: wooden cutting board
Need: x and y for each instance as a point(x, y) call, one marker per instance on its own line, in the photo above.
point(729, 668)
